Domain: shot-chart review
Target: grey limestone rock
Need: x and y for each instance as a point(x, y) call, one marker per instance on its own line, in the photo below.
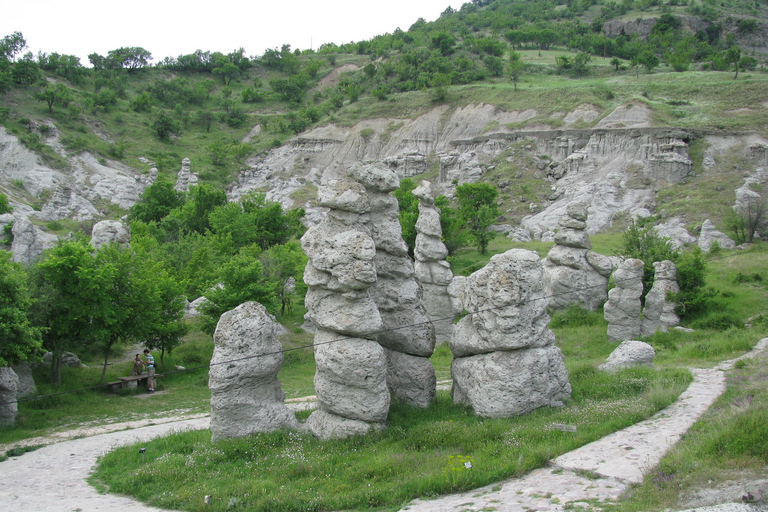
point(29, 241)
point(503, 384)
point(351, 377)
point(659, 313)
point(432, 269)
point(68, 359)
point(572, 273)
point(622, 311)
point(505, 360)
point(397, 293)
point(108, 231)
point(246, 396)
point(9, 383)
point(185, 179)
point(710, 234)
point(26, 387)
point(629, 353)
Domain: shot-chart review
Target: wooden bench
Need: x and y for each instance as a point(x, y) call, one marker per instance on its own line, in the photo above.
point(131, 381)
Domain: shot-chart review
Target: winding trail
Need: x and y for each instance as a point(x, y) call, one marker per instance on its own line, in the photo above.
point(53, 478)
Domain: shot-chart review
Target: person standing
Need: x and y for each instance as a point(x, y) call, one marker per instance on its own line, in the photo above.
point(149, 362)
point(138, 366)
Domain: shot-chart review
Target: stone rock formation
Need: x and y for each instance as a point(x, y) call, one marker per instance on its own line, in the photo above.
point(572, 273)
point(622, 311)
point(674, 230)
point(432, 270)
point(710, 234)
point(26, 386)
point(339, 273)
point(185, 178)
point(192, 309)
point(246, 396)
point(29, 241)
point(9, 383)
point(505, 359)
point(372, 335)
point(629, 353)
point(659, 313)
point(68, 359)
point(108, 231)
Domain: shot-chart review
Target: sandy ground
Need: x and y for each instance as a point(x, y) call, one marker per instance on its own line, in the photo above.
point(53, 478)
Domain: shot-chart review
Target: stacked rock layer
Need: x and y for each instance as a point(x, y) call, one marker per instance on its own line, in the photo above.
point(505, 359)
point(622, 311)
point(573, 274)
point(432, 269)
point(373, 335)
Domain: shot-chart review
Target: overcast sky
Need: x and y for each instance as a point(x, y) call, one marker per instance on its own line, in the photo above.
point(170, 29)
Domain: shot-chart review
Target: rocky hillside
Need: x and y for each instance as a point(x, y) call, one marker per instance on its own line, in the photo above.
point(628, 137)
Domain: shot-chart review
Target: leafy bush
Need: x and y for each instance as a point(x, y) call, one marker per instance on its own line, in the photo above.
point(641, 241)
point(4, 206)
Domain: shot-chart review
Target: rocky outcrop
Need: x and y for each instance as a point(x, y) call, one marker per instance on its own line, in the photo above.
point(505, 359)
point(339, 273)
point(709, 235)
point(674, 230)
point(68, 359)
point(108, 231)
point(622, 311)
point(9, 383)
point(432, 269)
point(629, 353)
point(26, 386)
point(246, 396)
point(192, 309)
point(407, 333)
point(29, 241)
point(365, 302)
point(574, 275)
point(659, 312)
point(615, 169)
point(185, 178)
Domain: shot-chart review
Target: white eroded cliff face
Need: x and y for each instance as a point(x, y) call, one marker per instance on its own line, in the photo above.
point(614, 162)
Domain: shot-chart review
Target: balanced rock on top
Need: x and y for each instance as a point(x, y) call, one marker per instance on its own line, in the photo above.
point(505, 361)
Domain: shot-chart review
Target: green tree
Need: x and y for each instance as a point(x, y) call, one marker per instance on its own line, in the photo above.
point(61, 284)
point(165, 126)
point(12, 45)
point(168, 331)
point(227, 72)
point(408, 207)
point(454, 231)
point(616, 63)
point(193, 216)
point(240, 280)
point(733, 56)
point(648, 59)
point(256, 220)
point(478, 211)
point(19, 339)
point(515, 67)
point(156, 202)
point(643, 242)
point(745, 222)
point(124, 305)
point(284, 267)
point(57, 94)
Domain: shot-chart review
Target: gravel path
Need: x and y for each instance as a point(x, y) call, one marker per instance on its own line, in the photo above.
point(53, 478)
